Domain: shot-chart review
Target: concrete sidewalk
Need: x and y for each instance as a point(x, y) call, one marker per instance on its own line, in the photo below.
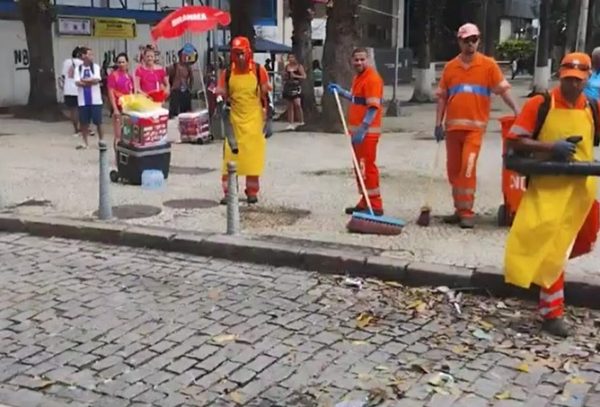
point(306, 185)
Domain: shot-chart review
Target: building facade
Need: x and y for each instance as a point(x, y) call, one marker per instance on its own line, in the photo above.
point(108, 27)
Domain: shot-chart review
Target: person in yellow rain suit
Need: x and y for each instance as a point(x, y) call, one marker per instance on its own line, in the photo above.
point(245, 87)
point(558, 215)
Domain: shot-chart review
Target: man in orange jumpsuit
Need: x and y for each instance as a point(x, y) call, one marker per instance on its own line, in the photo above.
point(364, 121)
point(464, 101)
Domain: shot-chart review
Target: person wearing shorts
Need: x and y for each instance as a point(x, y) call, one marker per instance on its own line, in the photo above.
point(70, 65)
point(89, 98)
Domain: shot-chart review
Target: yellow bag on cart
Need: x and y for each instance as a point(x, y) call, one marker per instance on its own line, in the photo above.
point(138, 103)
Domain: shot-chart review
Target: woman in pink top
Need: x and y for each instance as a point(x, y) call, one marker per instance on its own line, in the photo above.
point(150, 77)
point(119, 83)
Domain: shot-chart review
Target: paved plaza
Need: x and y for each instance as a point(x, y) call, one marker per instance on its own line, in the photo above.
point(306, 185)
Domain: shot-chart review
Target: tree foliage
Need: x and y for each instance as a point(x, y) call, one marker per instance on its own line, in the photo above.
point(516, 49)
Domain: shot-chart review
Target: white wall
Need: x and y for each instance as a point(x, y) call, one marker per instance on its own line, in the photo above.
point(14, 82)
point(505, 29)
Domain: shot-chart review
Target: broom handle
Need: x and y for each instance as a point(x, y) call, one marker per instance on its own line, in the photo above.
point(431, 176)
point(354, 159)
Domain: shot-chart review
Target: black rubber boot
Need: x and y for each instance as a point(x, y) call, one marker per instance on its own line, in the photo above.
point(351, 209)
point(557, 327)
point(251, 200)
point(453, 219)
point(467, 223)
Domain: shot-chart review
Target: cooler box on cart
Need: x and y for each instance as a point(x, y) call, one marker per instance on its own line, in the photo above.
point(143, 146)
point(513, 183)
point(132, 160)
point(194, 127)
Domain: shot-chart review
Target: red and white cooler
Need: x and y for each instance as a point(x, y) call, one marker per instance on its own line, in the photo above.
point(194, 127)
point(143, 146)
point(145, 128)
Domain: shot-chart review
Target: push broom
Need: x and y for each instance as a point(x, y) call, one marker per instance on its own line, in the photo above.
point(425, 216)
point(362, 222)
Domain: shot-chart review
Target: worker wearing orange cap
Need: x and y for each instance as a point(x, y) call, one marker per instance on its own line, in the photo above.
point(558, 215)
point(464, 101)
point(245, 85)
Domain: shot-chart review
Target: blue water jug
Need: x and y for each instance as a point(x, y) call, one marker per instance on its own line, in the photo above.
point(153, 179)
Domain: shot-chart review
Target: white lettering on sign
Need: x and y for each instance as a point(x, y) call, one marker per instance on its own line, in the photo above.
point(517, 182)
point(189, 17)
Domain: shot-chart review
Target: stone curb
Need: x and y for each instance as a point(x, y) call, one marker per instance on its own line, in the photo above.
point(322, 257)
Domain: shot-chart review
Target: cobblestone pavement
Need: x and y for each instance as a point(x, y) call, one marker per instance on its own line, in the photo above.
point(92, 325)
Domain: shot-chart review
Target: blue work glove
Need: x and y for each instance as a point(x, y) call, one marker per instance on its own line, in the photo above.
point(563, 149)
point(334, 87)
point(439, 133)
point(360, 133)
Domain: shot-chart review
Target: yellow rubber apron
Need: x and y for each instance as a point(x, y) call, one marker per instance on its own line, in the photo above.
point(247, 123)
point(553, 208)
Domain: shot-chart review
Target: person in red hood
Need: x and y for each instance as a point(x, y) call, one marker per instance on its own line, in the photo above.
point(245, 86)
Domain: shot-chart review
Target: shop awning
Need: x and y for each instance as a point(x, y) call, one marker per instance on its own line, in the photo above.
point(264, 45)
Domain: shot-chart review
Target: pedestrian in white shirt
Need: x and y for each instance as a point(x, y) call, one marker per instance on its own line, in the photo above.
point(89, 98)
point(70, 92)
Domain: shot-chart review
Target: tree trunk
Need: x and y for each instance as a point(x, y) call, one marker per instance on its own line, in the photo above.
point(492, 26)
point(590, 31)
point(541, 77)
point(37, 16)
point(593, 26)
point(302, 15)
point(425, 72)
point(340, 40)
point(475, 14)
point(573, 10)
point(242, 19)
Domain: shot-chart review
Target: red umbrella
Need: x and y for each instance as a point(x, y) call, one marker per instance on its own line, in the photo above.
point(190, 18)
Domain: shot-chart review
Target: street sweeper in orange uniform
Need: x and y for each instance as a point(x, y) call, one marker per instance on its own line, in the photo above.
point(364, 120)
point(463, 109)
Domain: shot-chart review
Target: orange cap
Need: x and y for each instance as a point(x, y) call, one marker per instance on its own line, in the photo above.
point(576, 65)
point(468, 30)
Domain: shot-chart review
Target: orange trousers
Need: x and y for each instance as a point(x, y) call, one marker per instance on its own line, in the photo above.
point(462, 151)
point(366, 154)
point(552, 299)
point(252, 185)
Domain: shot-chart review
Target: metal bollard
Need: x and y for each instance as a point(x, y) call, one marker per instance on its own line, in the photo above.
point(233, 208)
point(104, 208)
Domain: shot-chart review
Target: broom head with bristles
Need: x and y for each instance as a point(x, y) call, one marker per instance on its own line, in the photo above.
point(366, 223)
point(424, 216)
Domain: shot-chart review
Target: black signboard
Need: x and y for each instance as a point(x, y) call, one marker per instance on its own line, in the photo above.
point(384, 60)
